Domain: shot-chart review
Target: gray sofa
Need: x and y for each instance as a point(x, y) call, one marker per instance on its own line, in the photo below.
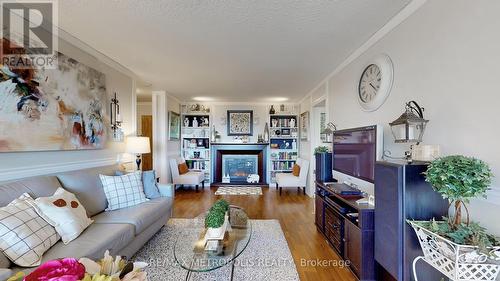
point(122, 232)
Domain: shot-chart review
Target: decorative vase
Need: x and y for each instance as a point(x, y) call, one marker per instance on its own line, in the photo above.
point(213, 134)
point(272, 111)
point(266, 133)
point(274, 123)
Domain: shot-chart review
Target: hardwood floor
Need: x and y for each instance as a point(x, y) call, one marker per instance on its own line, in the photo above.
point(295, 213)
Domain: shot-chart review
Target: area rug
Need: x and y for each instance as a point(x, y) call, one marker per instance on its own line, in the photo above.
point(239, 190)
point(267, 256)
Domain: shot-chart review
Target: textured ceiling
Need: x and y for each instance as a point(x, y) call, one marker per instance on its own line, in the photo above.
point(230, 50)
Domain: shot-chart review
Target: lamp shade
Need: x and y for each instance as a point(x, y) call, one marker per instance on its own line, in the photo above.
point(138, 145)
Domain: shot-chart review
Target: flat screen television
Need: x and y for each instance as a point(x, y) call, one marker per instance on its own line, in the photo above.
point(356, 150)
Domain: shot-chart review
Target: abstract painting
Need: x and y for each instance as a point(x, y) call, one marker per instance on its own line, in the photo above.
point(174, 125)
point(52, 109)
point(304, 124)
point(239, 122)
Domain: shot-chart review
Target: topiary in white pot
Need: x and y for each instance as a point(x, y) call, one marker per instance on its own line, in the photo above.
point(460, 250)
point(217, 220)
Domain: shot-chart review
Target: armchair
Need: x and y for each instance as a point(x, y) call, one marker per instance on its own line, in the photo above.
point(193, 177)
point(289, 180)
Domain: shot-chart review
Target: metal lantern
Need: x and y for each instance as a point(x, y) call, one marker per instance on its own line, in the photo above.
point(410, 126)
point(116, 119)
point(327, 133)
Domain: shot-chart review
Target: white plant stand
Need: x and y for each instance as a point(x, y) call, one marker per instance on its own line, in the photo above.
point(457, 262)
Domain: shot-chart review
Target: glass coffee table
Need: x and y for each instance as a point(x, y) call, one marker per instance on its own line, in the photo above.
point(190, 253)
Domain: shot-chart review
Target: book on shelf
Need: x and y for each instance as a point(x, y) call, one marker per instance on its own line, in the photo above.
point(284, 156)
point(283, 166)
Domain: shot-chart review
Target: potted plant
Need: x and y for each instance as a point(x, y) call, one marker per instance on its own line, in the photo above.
point(216, 220)
point(460, 249)
point(323, 163)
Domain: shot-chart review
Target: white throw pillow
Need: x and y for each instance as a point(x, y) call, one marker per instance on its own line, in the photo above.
point(63, 211)
point(24, 234)
point(123, 191)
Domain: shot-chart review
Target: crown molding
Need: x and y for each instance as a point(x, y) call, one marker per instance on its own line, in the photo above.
point(399, 18)
point(47, 169)
point(170, 96)
point(70, 38)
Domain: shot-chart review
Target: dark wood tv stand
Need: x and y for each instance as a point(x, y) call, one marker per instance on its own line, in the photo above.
point(352, 238)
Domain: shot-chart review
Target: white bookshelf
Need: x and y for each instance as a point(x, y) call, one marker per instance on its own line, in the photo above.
point(195, 138)
point(283, 143)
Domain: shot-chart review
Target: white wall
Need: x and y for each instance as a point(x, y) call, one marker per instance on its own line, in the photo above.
point(446, 58)
point(21, 164)
point(305, 145)
point(173, 146)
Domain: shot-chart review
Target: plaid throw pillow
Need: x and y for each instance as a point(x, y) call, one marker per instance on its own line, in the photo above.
point(24, 235)
point(123, 191)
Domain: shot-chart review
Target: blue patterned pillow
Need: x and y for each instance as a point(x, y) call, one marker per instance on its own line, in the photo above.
point(149, 182)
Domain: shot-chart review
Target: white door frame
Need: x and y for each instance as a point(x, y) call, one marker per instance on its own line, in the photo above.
point(160, 129)
point(315, 133)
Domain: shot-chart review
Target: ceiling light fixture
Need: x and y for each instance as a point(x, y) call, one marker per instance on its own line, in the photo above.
point(203, 99)
point(278, 99)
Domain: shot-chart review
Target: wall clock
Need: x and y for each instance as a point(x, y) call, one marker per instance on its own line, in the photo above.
point(375, 83)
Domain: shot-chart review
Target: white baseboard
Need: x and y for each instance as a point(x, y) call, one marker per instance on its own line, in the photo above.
point(47, 169)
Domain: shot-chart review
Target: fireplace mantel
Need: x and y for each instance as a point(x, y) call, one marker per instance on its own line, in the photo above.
point(217, 150)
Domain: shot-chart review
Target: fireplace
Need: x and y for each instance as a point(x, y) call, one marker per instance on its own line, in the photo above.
point(239, 166)
point(238, 161)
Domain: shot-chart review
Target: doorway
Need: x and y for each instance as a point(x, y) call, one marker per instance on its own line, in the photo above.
point(319, 123)
point(144, 118)
point(147, 131)
point(319, 119)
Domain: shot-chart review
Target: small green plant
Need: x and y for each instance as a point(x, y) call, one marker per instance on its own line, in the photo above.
point(321, 149)
point(221, 205)
point(216, 215)
point(459, 179)
point(214, 219)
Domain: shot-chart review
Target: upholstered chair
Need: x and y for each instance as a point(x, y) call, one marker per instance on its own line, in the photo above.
point(192, 177)
point(289, 180)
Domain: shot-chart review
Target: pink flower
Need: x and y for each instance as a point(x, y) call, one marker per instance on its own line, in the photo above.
point(67, 269)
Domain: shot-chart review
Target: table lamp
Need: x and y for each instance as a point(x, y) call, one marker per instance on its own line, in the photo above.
point(138, 146)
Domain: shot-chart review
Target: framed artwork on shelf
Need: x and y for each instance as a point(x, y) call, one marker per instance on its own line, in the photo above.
point(174, 125)
point(322, 125)
point(304, 126)
point(240, 122)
